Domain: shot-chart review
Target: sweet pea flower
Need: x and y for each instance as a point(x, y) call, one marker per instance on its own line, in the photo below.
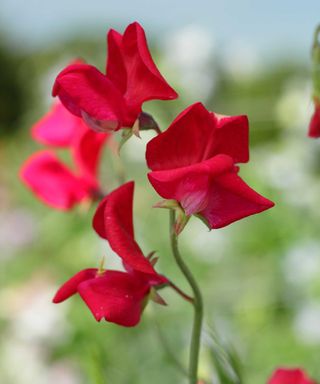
point(114, 100)
point(193, 163)
point(57, 128)
point(290, 376)
point(117, 296)
point(314, 126)
point(49, 178)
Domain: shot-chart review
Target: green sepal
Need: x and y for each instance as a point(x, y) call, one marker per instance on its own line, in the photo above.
point(155, 297)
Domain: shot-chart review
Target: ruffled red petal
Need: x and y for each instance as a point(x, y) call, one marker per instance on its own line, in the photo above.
point(190, 185)
point(116, 296)
point(232, 136)
point(197, 135)
point(144, 81)
point(70, 287)
point(231, 199)
point(115, 69)
point(212, 189)
point(88, 93)
point(113, 222)
point(52, 182)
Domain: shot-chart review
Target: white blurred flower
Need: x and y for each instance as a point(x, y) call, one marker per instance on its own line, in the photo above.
point(210, 246)
point(63, 373)
point(241, 60)
point(288, 170)
point(306, 323)
point(18, 229)
point(294, 107)
point(22, 362)
point(32, 315)
point(189, 52)
point(301, 264)
point(35, 325)
point(135, 147)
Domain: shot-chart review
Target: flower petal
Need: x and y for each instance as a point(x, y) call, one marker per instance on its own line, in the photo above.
point(190, 185)
point(57, 127)
point(87, 150)
point(231, 199)
point(116, 296)
point(87, 93)
point(232, 137)
point(144, 81)
point(197, 135)
point(314, 126)
point(70, 287)
point(113, 222)
point(290, 376)
point(52, 182)
point(115, 69)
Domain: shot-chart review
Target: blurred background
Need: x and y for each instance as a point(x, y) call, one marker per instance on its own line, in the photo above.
point(260, 276)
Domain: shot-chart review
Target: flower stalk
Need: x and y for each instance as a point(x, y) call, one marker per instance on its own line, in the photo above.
point(197, 304)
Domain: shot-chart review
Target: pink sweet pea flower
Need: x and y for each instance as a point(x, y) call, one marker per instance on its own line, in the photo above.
point(193, 162)
point(290, 376)
point(57, 128)
point(314, 126)
point(113, 100)
point(49, 178)
point(117, 296)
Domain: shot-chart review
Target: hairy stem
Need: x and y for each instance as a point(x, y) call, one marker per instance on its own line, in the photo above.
point(197, 304)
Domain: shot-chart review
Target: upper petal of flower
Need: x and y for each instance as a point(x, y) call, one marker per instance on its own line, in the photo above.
point(70, 287)
point(197, 135)
point(113, 221)
point(116, 296)
point(290, 376)
point(87, 93)
point(52, 182)
point(57, 127)
point(115, 69)
point(144, 81)
point(232, 136)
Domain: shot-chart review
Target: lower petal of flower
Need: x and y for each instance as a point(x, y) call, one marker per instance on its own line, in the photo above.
point(52, 182)
point(231, 199)
point(116, 296)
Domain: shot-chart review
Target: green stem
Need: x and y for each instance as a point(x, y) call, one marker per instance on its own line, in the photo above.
point(197, 304)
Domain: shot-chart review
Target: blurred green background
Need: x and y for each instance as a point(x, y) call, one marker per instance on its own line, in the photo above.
point(260, 276)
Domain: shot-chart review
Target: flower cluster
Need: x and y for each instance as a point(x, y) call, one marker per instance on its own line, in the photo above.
point(194, 166)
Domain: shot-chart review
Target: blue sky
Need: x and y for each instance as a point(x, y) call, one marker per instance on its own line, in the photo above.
point(274, 25)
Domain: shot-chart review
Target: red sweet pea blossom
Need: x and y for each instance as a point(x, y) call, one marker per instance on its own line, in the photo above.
point(117, 296)
point(49, 178)
point(193, 162)
point(290, 376)
point(314, 126)
point(114, 100)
